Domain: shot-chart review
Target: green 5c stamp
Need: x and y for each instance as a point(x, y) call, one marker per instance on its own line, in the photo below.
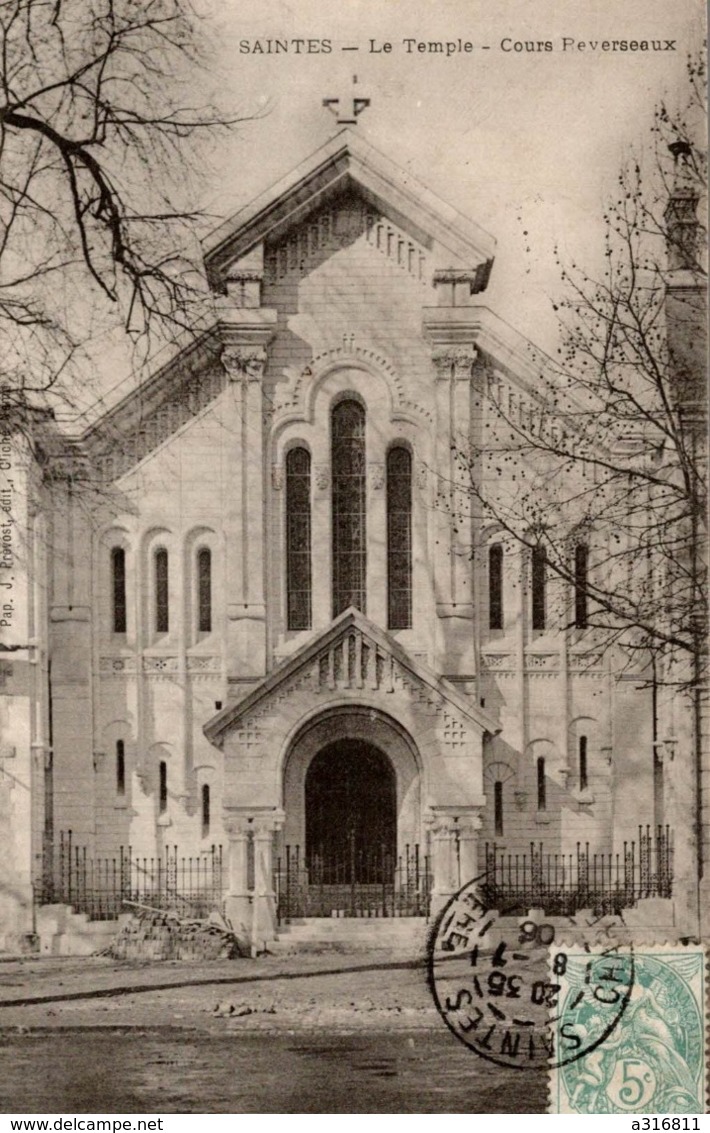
point(654, 1059)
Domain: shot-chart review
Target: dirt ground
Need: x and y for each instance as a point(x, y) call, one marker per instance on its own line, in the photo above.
point(325, 990)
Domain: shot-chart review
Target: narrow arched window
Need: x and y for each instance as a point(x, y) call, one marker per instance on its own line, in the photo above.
point(205, 801)
point(162, 618)
point(118, 589)
point(204, 590)
point(541, 785)
point(581, 566)
point(495, 586)
point(583, 774)
point(120, 767)
point(399, 539)
point(498, 807)
point(349, 507)
point(298, 539)
point(163, 786)
point(538, 586)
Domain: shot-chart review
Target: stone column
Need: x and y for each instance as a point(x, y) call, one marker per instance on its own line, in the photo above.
point(264, 922)
point(454, 851)
point(238, 900)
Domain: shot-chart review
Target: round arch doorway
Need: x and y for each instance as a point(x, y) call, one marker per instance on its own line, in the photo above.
point(351, 815)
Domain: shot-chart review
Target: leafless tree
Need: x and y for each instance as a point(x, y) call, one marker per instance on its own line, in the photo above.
point(599, 466)
point(103, 132)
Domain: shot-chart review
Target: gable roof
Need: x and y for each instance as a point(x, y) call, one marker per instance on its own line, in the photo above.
point(344, 162)
point(230, 716)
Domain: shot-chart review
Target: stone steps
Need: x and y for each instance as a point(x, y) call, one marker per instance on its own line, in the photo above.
point(352, 934)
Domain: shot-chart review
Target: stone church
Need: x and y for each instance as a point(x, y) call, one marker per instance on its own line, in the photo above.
point(266, 663)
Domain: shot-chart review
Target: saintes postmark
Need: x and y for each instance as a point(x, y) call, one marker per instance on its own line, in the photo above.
point(506, 993)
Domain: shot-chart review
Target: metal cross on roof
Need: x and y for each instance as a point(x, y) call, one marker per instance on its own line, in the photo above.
point(347, 110)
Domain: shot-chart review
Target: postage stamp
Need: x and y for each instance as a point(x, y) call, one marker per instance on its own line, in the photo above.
point(654, 1058)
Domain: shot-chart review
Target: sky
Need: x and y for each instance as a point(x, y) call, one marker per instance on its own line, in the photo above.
point(526, 143)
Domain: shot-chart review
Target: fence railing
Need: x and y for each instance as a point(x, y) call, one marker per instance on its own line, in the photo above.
point(376, 885)
point(562, 884)
point(101, 887)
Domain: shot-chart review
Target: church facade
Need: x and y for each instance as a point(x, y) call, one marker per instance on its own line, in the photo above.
point(272, 632)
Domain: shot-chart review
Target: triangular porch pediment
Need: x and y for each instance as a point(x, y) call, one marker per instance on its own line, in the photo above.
point(354, 654)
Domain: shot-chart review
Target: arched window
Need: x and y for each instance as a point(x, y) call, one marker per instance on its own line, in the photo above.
point(120, 768)
point(498, 807)
point(204, 590)
point(163, 787)
point(583, 775)
point(349, 507)
point(298, 539)
point(581, 565)
point(495, 586)
point(162, 619)
point(205, 808)
point(118, 589)
point(538, 586)
point(399, 538)
point(541, 785)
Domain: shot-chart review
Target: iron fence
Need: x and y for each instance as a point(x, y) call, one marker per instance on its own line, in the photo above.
point(101, 887)
point(562, 884)
point(374, 885)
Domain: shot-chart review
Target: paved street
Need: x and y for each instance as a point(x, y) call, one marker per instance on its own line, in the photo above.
point(323, 1033)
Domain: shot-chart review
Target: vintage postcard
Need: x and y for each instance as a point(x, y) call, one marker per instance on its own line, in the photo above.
point(354, 719)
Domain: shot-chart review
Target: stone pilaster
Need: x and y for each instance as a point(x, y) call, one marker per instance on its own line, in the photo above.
point(244, 358)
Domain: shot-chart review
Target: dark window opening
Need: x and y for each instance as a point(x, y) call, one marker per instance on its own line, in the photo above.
point(120, 767)
point(205, 810)
point(498, 807)
point(162, 619)
point(118, 581)
point(541, 785)
point(539, 597)
point(204, 591)
point(298, 539)
point(399, 539)
point(349, 507)
point(495, 586)
point(583, 779)
point(163, 787)
point(581, 565)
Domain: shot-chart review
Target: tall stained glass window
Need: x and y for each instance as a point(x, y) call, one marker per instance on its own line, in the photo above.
point(204, 590)
point(581, 565)
point(162, 620)
point(495, 586)
point(349, 507)
point(118, 584)
point(539, 587)
point(399, 539)
point(298, 538)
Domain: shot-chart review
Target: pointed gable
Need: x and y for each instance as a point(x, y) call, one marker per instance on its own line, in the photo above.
point(348, 167)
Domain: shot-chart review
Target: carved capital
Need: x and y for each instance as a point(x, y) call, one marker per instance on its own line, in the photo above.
point(454, 362)
point(322, 477)
point(277, 477)
point(244, 363)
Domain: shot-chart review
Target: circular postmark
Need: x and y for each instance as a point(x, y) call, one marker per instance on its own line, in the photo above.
point(512, 996)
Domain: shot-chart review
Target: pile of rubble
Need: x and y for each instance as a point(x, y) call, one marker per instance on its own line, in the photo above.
point(154, 934)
